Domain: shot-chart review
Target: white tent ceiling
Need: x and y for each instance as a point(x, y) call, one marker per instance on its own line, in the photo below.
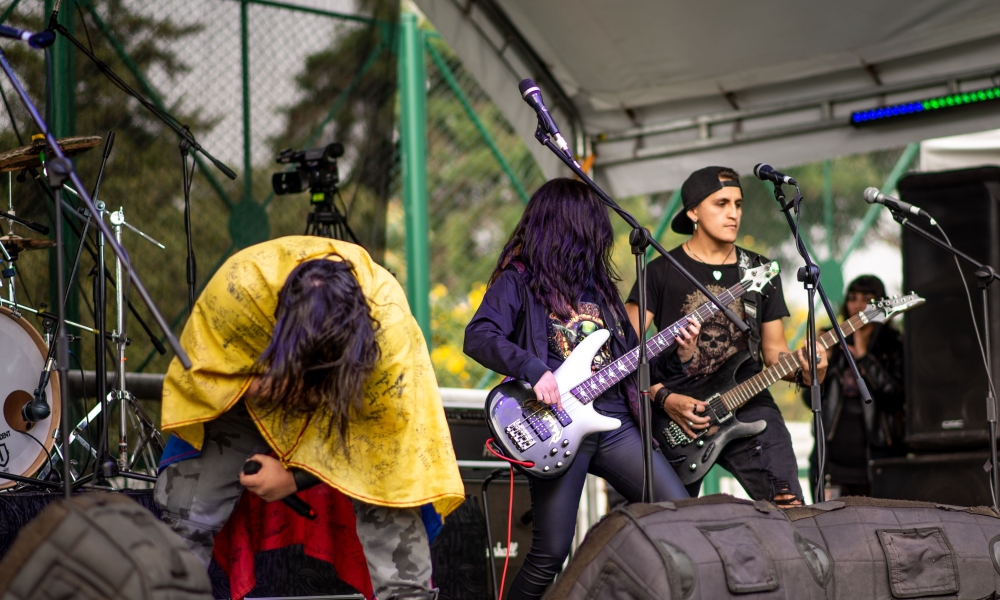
point(659, 88)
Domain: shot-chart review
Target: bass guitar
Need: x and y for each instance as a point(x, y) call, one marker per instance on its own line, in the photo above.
point(544, 439)
point(695, 456)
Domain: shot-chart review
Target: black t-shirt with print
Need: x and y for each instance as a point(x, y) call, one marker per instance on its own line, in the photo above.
point(565, 335)
point(670, 296)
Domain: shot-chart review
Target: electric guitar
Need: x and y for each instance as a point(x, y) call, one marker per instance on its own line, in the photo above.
point(547, 439)
point(695, 459)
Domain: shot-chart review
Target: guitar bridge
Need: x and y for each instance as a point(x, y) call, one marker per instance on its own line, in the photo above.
point(675, 436)
point(520, 436)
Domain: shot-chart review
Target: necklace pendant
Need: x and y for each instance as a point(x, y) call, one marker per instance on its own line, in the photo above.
point(717, 275)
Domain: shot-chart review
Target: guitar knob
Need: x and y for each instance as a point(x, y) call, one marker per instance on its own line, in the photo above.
point(558, 464)
point(565, 443)
point(693, 466)
point(568, 452)
point(553, 451)
point(700, 443)
point(546, 468)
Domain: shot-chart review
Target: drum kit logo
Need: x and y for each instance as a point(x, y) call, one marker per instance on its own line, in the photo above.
point(4, 456)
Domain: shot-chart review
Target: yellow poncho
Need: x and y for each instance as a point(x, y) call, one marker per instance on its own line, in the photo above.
point(400, 451)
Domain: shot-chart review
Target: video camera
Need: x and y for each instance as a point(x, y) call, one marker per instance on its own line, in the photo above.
point(316, 172)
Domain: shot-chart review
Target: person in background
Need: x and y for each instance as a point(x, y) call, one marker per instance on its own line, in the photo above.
point(855, 431)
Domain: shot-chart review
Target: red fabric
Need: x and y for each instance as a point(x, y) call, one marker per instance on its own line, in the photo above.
point(256, 526)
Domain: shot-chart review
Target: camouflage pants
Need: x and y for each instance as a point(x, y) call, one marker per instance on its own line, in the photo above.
point(198, 495)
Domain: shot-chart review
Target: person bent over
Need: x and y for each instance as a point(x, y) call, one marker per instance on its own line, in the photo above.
point(307, 360)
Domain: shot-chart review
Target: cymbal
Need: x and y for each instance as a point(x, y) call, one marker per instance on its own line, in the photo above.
point(16, 244)
point(27, 156)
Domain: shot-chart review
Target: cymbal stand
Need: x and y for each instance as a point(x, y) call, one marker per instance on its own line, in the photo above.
point(127, 406)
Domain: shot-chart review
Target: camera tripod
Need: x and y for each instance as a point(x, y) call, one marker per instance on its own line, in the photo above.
point(326, 220)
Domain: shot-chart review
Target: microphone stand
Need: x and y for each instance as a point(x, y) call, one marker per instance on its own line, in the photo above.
point(61, 169)
point(640, 239)
point(809, 275)
point(188, 145)
point(986, 276)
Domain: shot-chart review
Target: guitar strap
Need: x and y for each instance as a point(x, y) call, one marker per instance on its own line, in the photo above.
point(752, 305)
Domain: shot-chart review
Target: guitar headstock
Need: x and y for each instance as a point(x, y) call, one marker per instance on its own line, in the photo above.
point(755, 279)
point(880, 311)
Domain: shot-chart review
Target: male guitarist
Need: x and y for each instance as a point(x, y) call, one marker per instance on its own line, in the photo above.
point(764, 464)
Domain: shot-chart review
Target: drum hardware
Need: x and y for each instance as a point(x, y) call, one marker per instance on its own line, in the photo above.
point(60, 171)
point(31, 156)
point(129, 410)
point(22, 356)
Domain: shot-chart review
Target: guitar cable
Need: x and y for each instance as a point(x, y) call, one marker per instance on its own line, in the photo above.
point(510, 507)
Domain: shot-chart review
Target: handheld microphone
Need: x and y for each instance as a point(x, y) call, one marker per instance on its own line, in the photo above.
point(42, 39)
point(766, 172)
point(533, 96)
point(300, 506)
point(873, 196)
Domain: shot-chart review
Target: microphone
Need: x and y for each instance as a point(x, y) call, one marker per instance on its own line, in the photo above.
point(42, 39)
point(766, 172)
point(873, 196)
point(54, 17)
point(300, 506)
point(533, 96)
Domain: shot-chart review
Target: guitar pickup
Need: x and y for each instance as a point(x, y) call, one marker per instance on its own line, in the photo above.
point(519, 435)
point(539, 426)
point(562, 416)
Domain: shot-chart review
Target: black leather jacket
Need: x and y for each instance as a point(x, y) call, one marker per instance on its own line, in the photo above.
point(882, 370)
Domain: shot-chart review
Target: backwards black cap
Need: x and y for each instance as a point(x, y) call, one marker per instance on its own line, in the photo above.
point(700, 185)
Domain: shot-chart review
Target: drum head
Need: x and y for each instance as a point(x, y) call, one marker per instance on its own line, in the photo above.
point(22, 356)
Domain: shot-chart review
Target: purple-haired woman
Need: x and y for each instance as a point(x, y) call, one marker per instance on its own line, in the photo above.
point(553, 285)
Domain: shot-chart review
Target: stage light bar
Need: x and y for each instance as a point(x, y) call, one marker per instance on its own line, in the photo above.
point(932, 104)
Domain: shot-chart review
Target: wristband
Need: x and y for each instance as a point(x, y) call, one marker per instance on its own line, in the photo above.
point(660, 399)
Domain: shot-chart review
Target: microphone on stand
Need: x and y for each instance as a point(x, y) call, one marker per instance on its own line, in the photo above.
point(873, 196)
point(765, 172)
point(533, 96)
point(42, 39)
point(54, 17)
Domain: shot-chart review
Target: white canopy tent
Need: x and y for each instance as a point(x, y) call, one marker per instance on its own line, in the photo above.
point(658, 89)
point(961, 151)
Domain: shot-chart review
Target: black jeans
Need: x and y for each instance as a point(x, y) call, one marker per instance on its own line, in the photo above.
point(615, 456)
point(764, 464)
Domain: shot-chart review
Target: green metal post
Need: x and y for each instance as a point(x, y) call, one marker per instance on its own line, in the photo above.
point(710, 484)
point(413, 137)
point(245, 51)
point(60, 109)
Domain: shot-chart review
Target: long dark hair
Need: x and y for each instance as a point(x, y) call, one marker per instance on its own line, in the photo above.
point(863, 284)
point(565, 241)
point(323, 348)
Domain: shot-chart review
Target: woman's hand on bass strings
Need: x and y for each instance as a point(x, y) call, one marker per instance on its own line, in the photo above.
point(547, 390)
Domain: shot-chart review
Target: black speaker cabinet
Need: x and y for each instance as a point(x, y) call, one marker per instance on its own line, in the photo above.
point(954, 478)
point(945, 376)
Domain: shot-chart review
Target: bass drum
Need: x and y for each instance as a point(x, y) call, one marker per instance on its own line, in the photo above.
point(22, 356)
